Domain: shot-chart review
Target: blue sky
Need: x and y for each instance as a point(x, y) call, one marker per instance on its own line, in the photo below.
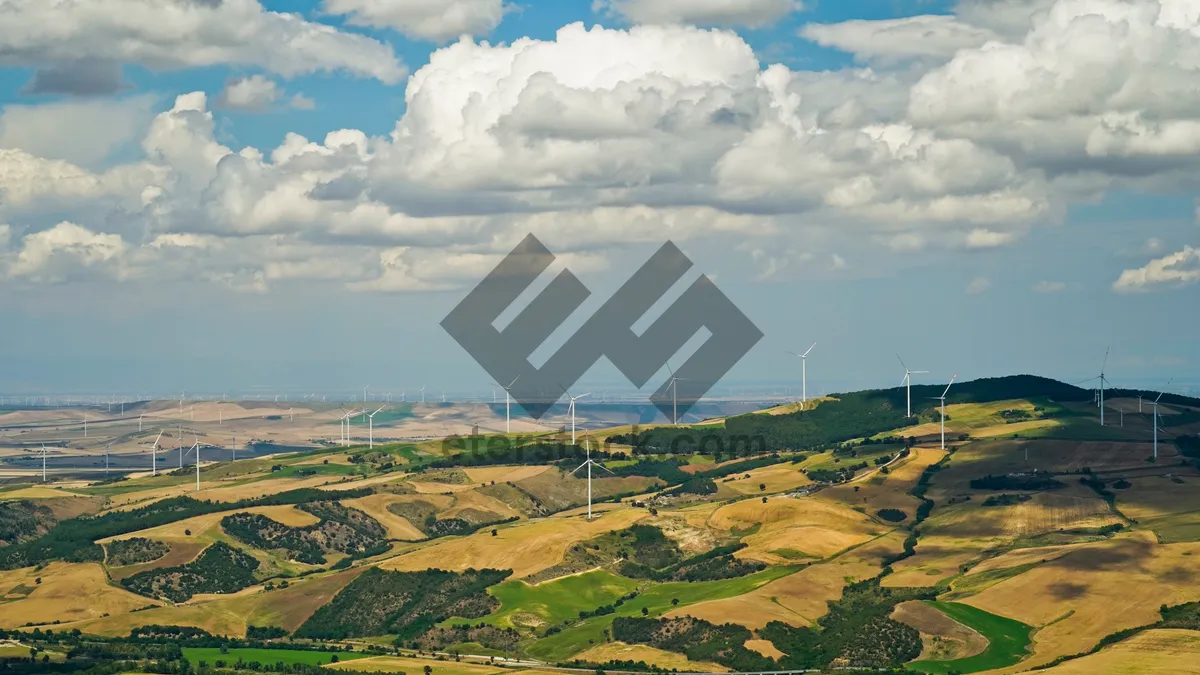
point(927, 274)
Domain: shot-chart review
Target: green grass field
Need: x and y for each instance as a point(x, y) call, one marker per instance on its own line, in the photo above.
point(1008, 640)
point(555, 601)
point(211, 655)
point(657, 600)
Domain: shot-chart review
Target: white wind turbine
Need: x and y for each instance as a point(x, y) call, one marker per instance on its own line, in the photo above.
point(43, 462)
point(907, 382)
point(674, 384)
point(154, 454)
point(140, 422)
point(804, 375)
point(422, 393)
point(942, 398)
point(196, 448)
point(571, 409)
point(589, 462)
point(1154, 419)
point(371, 427)
point(508, 406)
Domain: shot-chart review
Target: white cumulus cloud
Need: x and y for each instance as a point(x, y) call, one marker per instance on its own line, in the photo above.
point(436, 20)
point(1178, 269)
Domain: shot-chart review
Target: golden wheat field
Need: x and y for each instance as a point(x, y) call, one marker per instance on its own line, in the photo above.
point(619, 651)
point(67, 592)
point(231, 614)
point(814, 527)
point(206, 524)
point(775, 478)
point(942, 638)
point(526, 548)
point(1154, 652)
point(376, 505)
point(1094, 590)
point(505, 474)
point(801, 598)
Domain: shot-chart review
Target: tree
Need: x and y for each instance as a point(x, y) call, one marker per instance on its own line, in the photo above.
point(674, 601)
point(762, 486)
point(186, 533)
point(764, 500)
point(38, 581)
point(428, 670)
point(333, 659)
point(645, 611)
point(493, 532)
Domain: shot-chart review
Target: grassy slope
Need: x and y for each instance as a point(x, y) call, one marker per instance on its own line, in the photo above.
point(657, 600)
point(1008, 640)
point(211, 655)
point(555, 601)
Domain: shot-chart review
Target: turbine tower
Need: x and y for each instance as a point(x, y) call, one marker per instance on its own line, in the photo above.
point(804, 375)
point(907, 382)
point(571, 409)
point(196, 448)
point(942, 398)
point(589, 463)
point(508, 406)
point(371, 427)
point(422, 393)
point(154, 454)
point(43, 462)
point(1154, 419)
point(674, 384)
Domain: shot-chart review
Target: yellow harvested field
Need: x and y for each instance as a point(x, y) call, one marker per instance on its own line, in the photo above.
point(777, 478)
point(886, 491)
point(798, 599)
point(479, 502)
point(440, 488)
point(181, 553)
point(68, 592)
point(200, 525)
point(35, 493)
point(1157, 496)
point(1154, 652)
point(818, 528)
point(764, 647)
point(376, 505)
point(619, 651)
point(525, 548)
point(262, 488)
point(937, 558)
point(487, 474)
point(231, 614)
point(399, 664)
point(1074, 507)
point(1095, 590)
point(943, 638)
point(1024, 556)
point(364, 482)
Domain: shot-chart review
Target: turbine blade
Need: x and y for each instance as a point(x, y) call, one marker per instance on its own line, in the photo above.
point(1102, 367)
point(603, 467)
point(810, 348)
point(580, 466)
point(902, 362)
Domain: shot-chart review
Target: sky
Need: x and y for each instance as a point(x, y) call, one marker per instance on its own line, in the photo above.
point(248, 195)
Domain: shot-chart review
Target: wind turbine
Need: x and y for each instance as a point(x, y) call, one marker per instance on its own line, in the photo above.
point(804, 375)
point(589, 463)
point(371, 430)
point(674, 384)
point(196, 447)
point(571, 409)
point(43, 462)
point(907, 382)
point(508, 406)
point(365, 393)
point(154, 454)
point(1103, 380)
point(106, 447)
point(422, 393)
point(942, 398)
point(1155, 418)
point(140, 422)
